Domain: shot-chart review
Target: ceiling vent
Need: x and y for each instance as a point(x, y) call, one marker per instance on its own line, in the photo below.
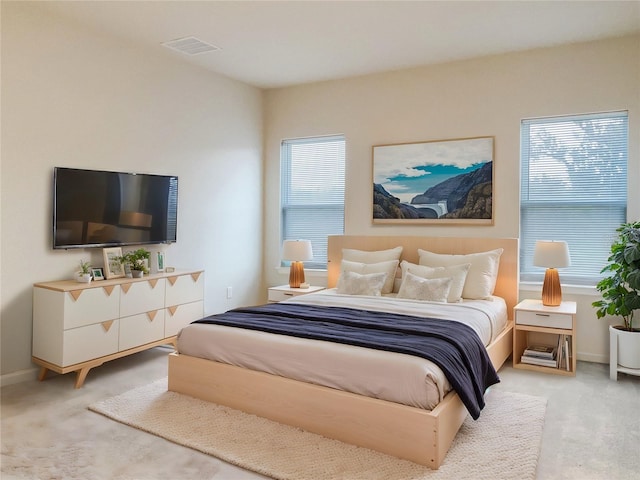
point(190, 46)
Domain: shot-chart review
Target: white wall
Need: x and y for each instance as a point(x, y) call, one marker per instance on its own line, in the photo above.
point(486, 96)
point(73, 97)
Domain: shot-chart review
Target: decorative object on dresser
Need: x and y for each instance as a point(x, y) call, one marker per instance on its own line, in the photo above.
point(160, 259)
point(137, 261)
point(113, 267)
point(285, 292)
point(553, 255)
point(78, 327)
point(296, 251)
point(556, 327)
point(621, 298)
point(97, 273)
point(84, 275)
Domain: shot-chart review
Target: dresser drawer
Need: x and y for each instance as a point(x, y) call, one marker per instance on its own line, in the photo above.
point(86, 343)
point(141, 329)
point(179, 316)
point(544, 319)
point(141, 297)
point(184, 289)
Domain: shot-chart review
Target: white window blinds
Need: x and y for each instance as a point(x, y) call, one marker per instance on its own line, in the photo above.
point(573, 188)
point(312, 189)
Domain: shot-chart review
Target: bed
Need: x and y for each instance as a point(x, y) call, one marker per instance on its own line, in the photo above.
point(404, 428)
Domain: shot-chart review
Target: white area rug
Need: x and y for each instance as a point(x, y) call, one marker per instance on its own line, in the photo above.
point(503, 444)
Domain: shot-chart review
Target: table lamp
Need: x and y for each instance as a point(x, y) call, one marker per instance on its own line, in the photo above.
point(551, 254)
point(296, 251)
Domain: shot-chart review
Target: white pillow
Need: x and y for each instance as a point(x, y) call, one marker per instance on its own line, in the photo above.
point(365, 256)
point(457, 273)
point(352, 283)
point(431, 289)
point(481, 278)
point(382, 267)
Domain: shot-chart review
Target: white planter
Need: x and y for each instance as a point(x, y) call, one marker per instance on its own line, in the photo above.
point(83, 278)
point(628, 347)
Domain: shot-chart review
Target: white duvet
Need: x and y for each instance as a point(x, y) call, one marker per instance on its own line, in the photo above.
point(389, 376)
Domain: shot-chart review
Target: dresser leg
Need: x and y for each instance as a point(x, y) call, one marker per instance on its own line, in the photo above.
point(42, 374)
point(81, 375)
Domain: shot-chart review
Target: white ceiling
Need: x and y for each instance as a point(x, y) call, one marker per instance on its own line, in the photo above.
point(281, 43)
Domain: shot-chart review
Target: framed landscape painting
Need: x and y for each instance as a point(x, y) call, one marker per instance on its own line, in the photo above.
point(436, 182)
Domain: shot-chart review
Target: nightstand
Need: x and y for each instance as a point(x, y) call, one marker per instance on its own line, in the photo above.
point(285, 292)
point(552, 324)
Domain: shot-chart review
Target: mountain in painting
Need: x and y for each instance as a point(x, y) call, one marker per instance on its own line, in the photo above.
point(469, 195)
point(386, 206)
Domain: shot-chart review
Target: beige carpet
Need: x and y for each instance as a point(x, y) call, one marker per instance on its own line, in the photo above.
point(503, 444)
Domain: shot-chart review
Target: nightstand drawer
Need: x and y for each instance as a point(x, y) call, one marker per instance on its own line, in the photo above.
point(544, 319)
point(284, 292)
point(278, 296)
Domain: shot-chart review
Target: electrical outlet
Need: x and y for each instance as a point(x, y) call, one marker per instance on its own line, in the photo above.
point(229, 292)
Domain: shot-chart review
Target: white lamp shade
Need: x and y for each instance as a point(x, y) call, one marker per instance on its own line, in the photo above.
point(297, 250)
point(551, 254)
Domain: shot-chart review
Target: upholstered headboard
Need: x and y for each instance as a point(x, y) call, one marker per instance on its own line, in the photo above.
point(507, 284)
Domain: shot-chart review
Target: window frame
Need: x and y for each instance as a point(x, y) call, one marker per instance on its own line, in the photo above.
point(575, 229)
point(318, 239)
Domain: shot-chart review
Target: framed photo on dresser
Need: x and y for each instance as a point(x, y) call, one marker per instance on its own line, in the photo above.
point(113, 267)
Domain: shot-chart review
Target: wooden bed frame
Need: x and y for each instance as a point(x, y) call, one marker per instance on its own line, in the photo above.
point(415, 434)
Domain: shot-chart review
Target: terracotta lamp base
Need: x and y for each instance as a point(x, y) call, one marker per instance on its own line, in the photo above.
point(296, 274)
point(551, 290)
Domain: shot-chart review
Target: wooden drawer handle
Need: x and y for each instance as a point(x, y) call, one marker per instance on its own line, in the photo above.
point(76, 294)
point(107, 325)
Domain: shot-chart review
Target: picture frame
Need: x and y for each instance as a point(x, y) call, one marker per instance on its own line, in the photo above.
point(160, 261)
point(434, 182)
point(97, 274)
point(112, 267)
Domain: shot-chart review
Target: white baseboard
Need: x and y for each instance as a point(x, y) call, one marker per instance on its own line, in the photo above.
point(594, 358)
point(18, 377)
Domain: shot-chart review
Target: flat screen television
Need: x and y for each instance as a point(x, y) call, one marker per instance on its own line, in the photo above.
point(93, 208)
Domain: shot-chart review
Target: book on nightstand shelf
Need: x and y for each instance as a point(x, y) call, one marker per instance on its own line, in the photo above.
point(549, 356)
point(543, 355)
point(544, 362)
point(541, 351)
point(563, 352)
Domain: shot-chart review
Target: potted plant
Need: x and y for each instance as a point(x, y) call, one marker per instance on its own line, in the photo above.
point(84, 275)
point(137, 260)
point(621, 293)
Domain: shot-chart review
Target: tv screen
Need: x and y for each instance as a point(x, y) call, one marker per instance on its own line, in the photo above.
point(94, 208)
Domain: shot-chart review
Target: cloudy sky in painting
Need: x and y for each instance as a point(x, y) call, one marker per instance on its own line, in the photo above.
point(409, 170)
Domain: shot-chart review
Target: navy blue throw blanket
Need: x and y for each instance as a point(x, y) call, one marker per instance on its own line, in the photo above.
point(453, 346)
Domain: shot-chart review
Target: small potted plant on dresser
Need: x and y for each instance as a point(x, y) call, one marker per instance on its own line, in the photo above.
point(621, 298)
point(138, 261)
point(84, 274)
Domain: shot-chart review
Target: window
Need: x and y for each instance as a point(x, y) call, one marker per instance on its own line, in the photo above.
point(573, 188)
point(312, 190)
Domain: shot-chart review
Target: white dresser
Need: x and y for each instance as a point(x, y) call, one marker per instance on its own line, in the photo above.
point(79, 326)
